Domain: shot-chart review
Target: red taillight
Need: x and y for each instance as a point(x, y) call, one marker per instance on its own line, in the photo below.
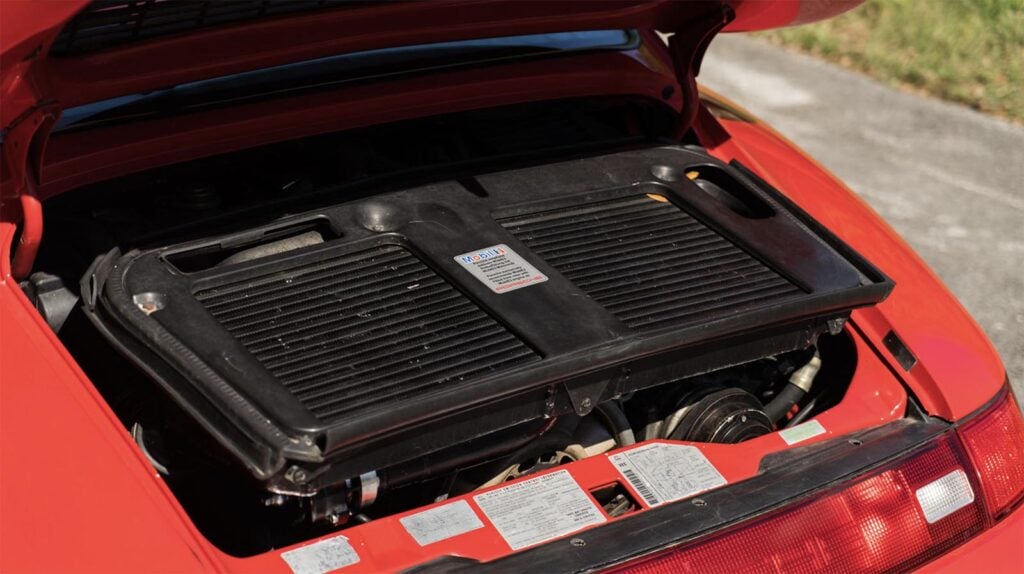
point(995, 441)
point(891, 519)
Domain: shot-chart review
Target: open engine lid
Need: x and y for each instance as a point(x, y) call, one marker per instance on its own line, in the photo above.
point(75, 52)
point(66, 53)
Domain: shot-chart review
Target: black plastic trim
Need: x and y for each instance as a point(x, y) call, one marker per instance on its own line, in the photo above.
point(793, 475)
point(899, 350)
point(585, 349)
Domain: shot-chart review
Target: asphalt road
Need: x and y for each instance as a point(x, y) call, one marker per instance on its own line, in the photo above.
point(950, 180)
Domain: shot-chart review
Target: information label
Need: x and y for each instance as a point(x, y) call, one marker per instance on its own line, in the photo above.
point(441, 523)
point(539, 509)
point(662, 473)
point(500, 268)
point(800, 433)
point(321, 557)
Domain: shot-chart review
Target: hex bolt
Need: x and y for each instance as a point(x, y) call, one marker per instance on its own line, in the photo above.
point(296, 475)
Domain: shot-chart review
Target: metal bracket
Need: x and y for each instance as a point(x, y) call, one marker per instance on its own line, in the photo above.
point(585, 395)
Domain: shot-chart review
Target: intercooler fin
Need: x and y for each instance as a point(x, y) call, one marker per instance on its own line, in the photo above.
point(649, 262)
point(356, 330)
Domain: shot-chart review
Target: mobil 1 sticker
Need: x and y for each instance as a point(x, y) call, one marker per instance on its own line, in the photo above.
point(539, 509)
point(500, 268)
point(662, 473)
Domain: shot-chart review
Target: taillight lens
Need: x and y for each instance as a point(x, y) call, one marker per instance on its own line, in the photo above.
point(995, 442)
point(891, 519)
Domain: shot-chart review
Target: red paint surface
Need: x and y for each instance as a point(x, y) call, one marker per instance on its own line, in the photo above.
point(76, 493)
point(767, 14)
point(75, 159)
point(958, 369)
point(264, 42)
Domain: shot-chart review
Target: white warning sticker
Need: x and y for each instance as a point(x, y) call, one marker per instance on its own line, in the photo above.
point(539, 509)
point(662, 473)
point(800, 433)
point(320, 557)
point(441, 523)
point(500, 268)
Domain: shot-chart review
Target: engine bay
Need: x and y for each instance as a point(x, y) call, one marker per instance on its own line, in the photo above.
point(365, 348)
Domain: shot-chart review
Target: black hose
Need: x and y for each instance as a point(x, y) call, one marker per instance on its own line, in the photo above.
point(617, 422)
point(554, 439)
point(783, 402)
point(804, 413)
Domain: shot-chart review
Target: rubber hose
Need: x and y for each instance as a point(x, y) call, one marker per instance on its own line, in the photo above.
point(617, 423)
point(783, 402)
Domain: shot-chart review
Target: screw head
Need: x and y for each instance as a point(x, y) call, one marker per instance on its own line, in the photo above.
point(296, 475)
point(699, 502)
point(578, 542)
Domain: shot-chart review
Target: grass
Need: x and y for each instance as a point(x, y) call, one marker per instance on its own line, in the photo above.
point(966, 51)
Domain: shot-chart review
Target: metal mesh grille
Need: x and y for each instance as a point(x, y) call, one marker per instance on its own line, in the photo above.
point(362, 329)
point(649, 262)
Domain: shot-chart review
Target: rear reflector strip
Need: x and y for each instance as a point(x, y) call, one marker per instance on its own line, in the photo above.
point(940, 498)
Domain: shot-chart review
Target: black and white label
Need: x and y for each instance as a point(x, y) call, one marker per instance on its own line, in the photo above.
point(441, 523)
point(662, 473)
point(500, 268)
point(539, 509)
point(321, 557)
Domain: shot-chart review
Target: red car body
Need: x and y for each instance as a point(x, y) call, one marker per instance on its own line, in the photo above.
point(99, 505)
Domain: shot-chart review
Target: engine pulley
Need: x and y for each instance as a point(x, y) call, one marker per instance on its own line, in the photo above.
point(723, 416)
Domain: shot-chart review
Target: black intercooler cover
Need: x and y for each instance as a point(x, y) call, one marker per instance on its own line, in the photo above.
point(419, 318)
